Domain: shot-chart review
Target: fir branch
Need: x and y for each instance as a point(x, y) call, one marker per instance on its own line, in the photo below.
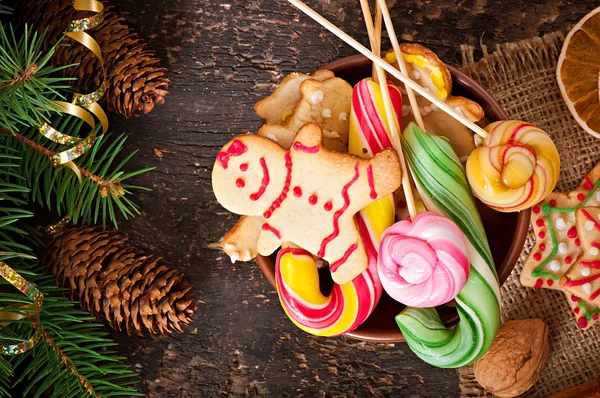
point(102, 189)
point(28, 84)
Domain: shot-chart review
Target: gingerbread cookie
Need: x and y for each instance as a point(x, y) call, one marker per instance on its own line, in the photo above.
point(307, 195)
point(558, 245)
point(582, 279)
point(320, 98)
point(240, 242)
point(586, 312)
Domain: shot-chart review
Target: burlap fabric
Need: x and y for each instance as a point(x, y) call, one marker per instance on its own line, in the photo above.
point(521, 76)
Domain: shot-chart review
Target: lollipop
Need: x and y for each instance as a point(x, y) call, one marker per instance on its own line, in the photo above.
point(517, 166)
point(346, 307)
point(423, 263)
point(444, 189)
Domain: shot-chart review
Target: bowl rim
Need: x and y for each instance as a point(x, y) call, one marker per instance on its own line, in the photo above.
point(478, 93)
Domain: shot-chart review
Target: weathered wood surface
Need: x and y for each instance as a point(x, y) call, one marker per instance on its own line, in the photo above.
point(223, 56)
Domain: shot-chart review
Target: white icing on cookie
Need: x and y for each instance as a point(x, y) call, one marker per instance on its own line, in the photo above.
point(560, 223)
point(416, 74)
point(343, 116)
point(562, 247)
point(589, 225)
point(272, 137)
point(594, 251)
point(234, 257)
point(326, 113)
point(554, 265)
point(229, 246)
point(247, 256)
point(585, 271)
point(317, 97)
point(587, 288)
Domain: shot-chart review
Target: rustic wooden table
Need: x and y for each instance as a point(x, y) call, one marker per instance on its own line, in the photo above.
point(223, 56)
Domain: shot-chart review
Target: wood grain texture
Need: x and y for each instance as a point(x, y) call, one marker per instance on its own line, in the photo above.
point(223, 56)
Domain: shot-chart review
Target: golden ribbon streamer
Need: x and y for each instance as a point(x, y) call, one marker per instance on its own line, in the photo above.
point(83, 106)
point(30, 311)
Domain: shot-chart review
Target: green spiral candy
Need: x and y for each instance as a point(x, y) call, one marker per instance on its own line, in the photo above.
point(441, 181)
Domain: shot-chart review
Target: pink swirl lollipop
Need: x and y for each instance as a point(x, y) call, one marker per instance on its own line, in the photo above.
point(423, 263)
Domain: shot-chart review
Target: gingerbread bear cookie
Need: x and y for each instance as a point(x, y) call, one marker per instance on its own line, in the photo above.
point(299, 99)
point(558, 244)
point(308, 195)
point(582, 279)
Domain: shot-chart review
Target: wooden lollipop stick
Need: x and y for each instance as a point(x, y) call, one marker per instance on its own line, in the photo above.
point(387, 67)
point(392, 119)
point(389, 26)
point(377, 49)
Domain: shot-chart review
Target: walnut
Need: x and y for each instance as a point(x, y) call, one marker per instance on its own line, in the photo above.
point(515, 359)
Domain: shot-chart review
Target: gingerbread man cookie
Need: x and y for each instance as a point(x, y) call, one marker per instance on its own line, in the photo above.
point(307, 195)
point(299, 99)
point(558, 244)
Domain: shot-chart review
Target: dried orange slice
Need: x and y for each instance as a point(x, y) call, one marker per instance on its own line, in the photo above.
point(578, 72)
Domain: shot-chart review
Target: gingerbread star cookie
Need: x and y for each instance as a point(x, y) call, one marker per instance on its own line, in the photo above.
point(586, 312)
point(299, 99)
point(558, 244)
point(307, 195)
point(582, 279)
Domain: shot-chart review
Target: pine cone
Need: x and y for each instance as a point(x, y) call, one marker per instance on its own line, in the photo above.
point(135, 80)
point(118, 282)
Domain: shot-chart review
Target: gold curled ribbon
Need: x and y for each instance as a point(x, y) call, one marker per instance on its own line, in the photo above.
point(83, 106)
point(30, 311)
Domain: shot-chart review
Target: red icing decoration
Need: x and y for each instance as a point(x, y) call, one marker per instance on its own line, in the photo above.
point(537, 256)
point(594, 264)
point(538, 284)
point(303, 148)
point(338, 214)
point(588, 183)
point(595, 317)
point(267, 227)
point(552, 202)
point(312, 199)
point(539, 223)
point(536, 209)
point(542, 234)
point(568, 260)
point(581, 197)
point(328, 206)
point(577, 242)
point(580, 281)
point(590, 218)
point(576, 310)
point(334, 266)
point(235, 149)
point(572, 233)
point(243, 166)
point(582, 322)
point(542, 246)
point(286, 187)
point(594, 295)
point(550, 282)
point(373, 194)
point(240, 183)
point(265, 181)
point(297, 192)
point(402, 204)
point(574, 298)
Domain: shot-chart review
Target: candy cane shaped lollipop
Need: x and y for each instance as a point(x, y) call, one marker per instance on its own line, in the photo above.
point(517, 166)
point(444, 189)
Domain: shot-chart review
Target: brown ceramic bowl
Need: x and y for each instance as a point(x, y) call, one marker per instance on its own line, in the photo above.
point(506, 232)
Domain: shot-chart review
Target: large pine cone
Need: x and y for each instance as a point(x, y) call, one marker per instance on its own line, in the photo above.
point(118, 282)
point(135, 80)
